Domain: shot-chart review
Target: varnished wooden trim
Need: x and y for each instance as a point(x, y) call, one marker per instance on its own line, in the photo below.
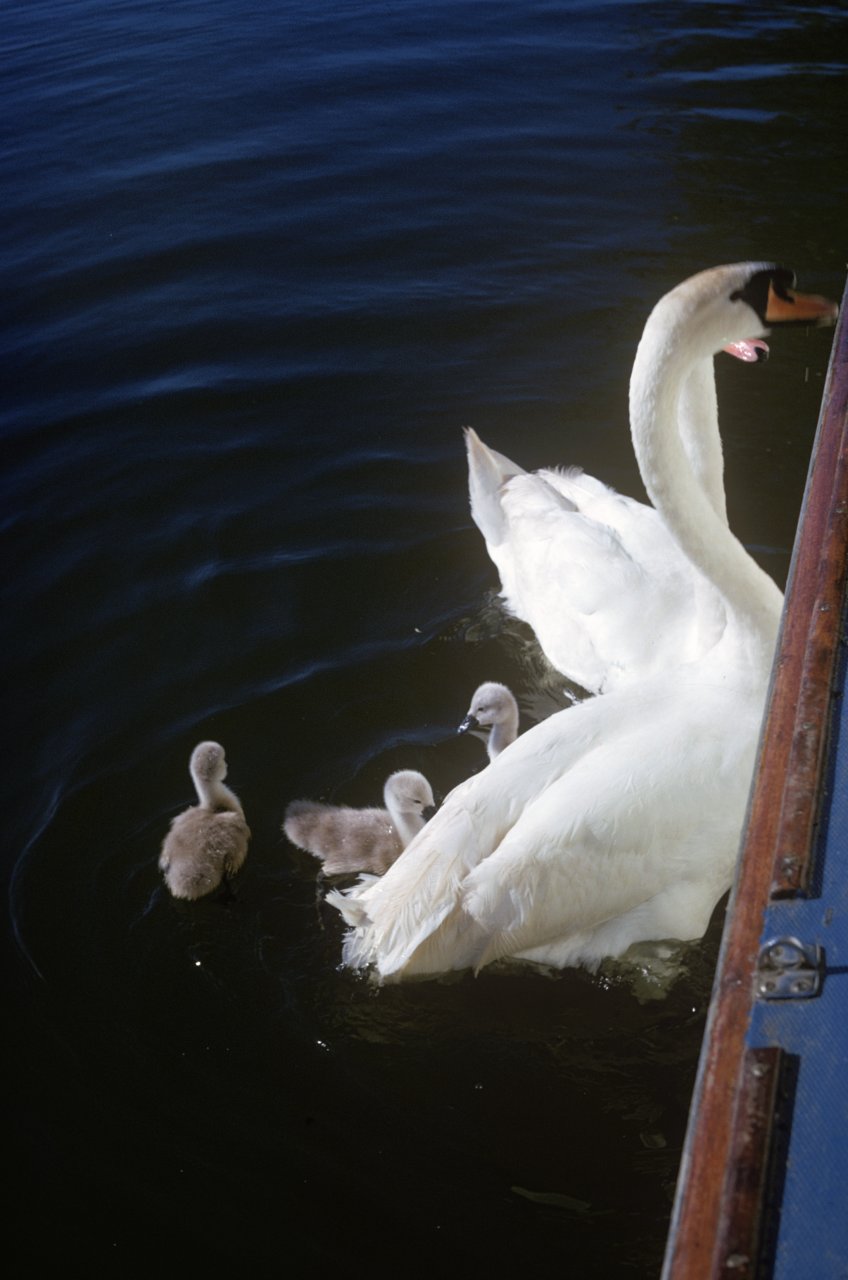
point(742, 1229)
point(778, 843)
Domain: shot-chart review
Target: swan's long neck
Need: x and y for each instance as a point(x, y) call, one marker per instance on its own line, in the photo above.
point(662, 365)
point(698, 423)
point(405, 824)
point(502, 733)
point(697, 417)
point(215, 795)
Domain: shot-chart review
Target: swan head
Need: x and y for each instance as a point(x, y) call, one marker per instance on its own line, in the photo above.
point(730, 304)
point(408, 792)
point(491, 704)
point(208, 763)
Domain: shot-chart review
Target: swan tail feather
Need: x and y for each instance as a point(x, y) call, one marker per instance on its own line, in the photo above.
point(350, 906)
point(488, 472)
point(401, 923)
point(411, 933)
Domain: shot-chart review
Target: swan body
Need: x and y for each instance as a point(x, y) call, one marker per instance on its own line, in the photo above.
point(597, 575)
point(618, 820)
point(369, 840)
point(493, 707)
point(207, 843)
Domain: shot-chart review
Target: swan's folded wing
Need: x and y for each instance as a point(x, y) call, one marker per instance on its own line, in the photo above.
point(596, 575)
point(609, 854)
point(523, 899)
point(410, 920)
point(601, 600)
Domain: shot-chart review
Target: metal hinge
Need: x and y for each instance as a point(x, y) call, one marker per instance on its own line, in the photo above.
point(788, 969)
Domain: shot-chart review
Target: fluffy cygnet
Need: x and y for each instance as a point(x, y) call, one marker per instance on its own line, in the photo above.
point(493, 707)
point(208, 842)
point(347, 839)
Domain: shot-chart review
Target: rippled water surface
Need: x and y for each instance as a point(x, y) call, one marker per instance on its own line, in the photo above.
point(262, 263)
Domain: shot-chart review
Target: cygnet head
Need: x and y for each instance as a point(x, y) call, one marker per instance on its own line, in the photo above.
point(208, 763)
point(408, 793)
point(493, 707)
point(491, 704)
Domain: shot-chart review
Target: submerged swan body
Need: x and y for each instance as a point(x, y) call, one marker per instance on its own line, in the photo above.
point(618, 820)
point(207, 843)
point(598, 576)
point(370, 840)
point(493, 707)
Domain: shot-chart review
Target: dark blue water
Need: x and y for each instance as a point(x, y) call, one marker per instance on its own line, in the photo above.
point(261, 264)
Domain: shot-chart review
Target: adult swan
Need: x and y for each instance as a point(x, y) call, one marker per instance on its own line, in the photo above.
point(618, 820)
point(597, 575)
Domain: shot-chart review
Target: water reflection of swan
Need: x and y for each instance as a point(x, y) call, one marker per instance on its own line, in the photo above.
point(493, 707)
point(347, 839)
point(208, 842)
point(598, 576)
point(618, 820)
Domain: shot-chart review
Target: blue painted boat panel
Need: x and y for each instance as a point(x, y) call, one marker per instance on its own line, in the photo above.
point(812, 1233)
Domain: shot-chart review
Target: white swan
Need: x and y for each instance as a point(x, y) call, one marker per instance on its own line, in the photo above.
point(598, 576)
point(207, 843)
point(618, 820)
point(347, 839)
point(493, 707)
